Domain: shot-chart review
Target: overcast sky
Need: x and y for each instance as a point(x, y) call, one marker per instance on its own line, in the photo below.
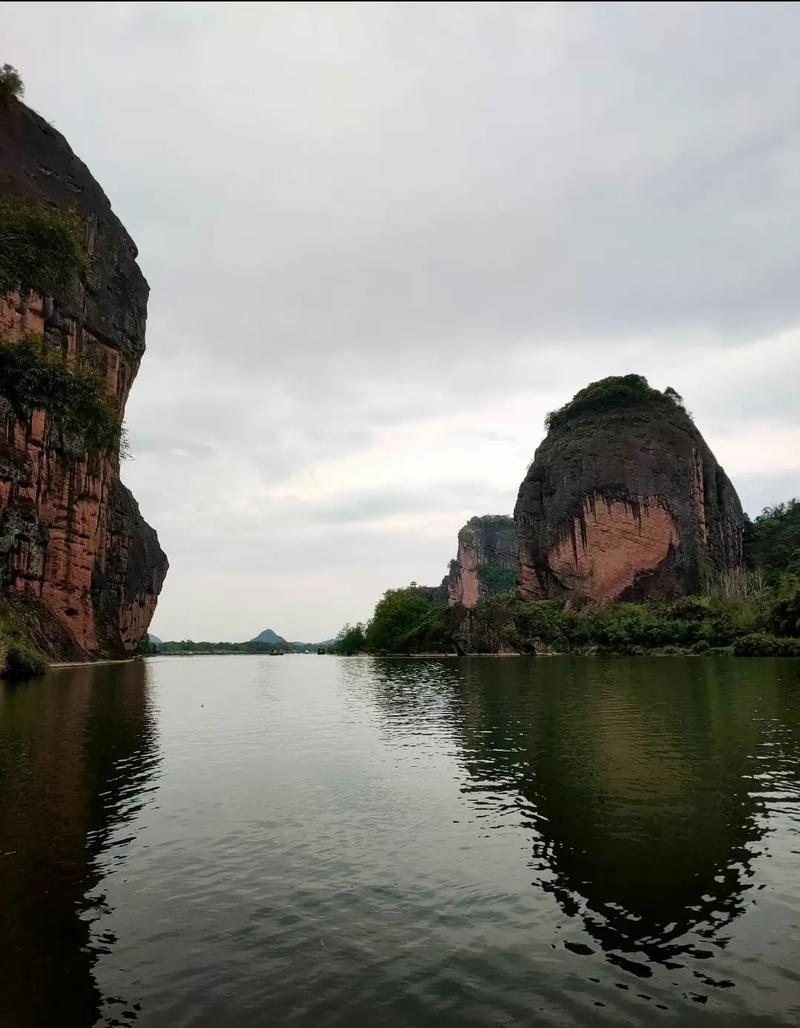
point(383, 240)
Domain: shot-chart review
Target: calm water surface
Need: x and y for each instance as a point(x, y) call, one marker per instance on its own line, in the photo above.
point(313, 840)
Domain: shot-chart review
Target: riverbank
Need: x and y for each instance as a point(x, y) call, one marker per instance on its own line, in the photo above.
point(746, 618)
point(90, 663)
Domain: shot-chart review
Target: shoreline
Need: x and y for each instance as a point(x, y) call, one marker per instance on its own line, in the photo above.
point(90, 663)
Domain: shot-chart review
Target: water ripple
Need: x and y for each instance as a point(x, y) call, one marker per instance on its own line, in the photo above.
point(309, 841)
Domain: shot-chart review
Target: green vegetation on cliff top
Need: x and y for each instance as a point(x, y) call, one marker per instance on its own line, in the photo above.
point(10, 83)
point(617, 392)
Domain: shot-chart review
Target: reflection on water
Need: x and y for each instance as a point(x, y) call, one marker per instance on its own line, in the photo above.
point(645, 817)
point(323, 841)
point(647, 794)
point(77, 756)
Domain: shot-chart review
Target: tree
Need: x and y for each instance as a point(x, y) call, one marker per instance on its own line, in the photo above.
point(40, 248)
point(786, 613)
point(350, 641)
point(11, 83)
point(772, 540)
point(407, 621)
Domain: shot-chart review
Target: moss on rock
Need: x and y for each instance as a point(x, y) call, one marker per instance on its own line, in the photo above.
point(19, 658)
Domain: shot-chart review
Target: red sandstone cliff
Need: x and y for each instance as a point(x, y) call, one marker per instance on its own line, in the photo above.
point(486, 563)
point(74, 549)
point(624, 500)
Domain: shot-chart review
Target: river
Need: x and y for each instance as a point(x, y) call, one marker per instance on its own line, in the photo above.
point(311, 840)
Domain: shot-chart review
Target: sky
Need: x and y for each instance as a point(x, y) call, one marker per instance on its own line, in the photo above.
point(383, 240)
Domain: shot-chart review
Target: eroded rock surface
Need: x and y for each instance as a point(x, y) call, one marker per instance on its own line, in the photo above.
point(626, 502)
point(73, 545)
point(486, 563)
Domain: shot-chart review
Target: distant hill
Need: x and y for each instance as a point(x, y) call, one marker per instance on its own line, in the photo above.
point(153, 639)
point(265, 643)
point(270, 638)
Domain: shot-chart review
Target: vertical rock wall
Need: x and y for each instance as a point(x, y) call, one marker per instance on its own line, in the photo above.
point(486, 562)
point(73, 544)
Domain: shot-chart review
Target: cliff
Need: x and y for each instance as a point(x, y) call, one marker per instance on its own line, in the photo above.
point(624, 500)
point(486, 563)
point(76, 557)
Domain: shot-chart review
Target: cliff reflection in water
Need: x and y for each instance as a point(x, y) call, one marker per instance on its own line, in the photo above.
point(642, 783)
point(78, 752)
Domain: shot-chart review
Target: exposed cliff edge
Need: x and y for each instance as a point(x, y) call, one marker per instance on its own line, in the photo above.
point(78, 563)
point(624, 500)
point(486, 563)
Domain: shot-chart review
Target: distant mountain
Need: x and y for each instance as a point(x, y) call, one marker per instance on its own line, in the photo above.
point(270, 638)
point(153, 639)
point(265, 643)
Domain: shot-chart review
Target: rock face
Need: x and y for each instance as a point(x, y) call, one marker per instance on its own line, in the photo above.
point(624, 500)
point(74, 548)
point(487, 560)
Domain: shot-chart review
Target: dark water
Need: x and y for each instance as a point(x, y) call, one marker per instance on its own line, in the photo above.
point(244, 841)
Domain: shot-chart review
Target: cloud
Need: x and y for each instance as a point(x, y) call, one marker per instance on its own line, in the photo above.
point(383, 240)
